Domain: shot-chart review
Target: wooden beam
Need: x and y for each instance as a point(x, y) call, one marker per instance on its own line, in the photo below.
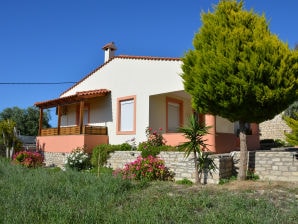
point(81, 115)
point(59, 119)
point(40, 121)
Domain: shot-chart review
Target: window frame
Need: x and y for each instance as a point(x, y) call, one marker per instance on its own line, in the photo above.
point(180, 103)
point(118, 123)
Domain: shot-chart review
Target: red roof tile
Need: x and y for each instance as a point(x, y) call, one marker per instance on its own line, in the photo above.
point(72, 98)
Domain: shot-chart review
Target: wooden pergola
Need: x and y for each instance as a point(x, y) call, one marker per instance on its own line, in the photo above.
point(77, 98)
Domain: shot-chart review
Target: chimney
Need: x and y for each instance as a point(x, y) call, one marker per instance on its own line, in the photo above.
point(109, 49)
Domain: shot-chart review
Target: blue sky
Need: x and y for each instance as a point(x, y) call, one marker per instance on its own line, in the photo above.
point(61, 40)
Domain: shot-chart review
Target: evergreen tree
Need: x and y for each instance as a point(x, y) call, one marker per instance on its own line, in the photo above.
point(239, 70)
point(27, 120)
point(292, 122)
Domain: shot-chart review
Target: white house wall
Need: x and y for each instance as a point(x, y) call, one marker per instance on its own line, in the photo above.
point(129, 77)
point(69, 119)
point(158, 110)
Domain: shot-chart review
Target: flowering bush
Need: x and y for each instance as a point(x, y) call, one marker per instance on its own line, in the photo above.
point(153, 144)
point(78, 159)
point(150, 168)
point(154, 138)
point(28, 159)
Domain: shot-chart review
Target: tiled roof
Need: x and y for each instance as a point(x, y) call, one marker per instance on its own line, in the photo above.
point(124, 57)
point(72, 98)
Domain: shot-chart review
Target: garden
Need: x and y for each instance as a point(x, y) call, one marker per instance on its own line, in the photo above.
point(50, 195)
point(144, 191)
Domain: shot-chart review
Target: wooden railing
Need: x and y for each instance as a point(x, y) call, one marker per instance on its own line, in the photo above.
point(75, 130)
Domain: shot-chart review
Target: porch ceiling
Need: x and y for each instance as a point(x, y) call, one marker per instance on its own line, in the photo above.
point(72, 98)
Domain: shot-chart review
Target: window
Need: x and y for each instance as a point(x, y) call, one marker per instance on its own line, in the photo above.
point(174, 114)
point(126, 122)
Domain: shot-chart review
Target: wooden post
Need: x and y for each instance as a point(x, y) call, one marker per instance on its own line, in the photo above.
point(59, 119)
point(81, 116)
point(40, 121)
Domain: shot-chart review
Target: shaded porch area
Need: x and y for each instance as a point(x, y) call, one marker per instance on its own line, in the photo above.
point(78, 132)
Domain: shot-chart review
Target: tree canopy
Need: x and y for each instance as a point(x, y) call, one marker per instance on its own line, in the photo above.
point(238, 68)
point(26, 120)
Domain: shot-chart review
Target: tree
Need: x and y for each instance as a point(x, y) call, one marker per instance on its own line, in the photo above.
point(8, 136)
point(292, 122)
point(239, 70)
point(292, 110)
point(195, 132)
point(27, 120)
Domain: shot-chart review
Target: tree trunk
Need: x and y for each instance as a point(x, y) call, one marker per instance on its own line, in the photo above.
point(197, 178)
point(243, 152)
point(11, 152)
point(7, 152)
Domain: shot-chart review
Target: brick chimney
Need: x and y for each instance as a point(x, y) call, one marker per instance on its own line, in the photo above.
point(109, 49)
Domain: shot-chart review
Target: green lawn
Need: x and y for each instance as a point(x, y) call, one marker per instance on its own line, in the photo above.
point(48, 196)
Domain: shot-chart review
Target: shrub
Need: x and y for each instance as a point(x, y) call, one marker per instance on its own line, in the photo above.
point(147, 149)
point(28, 159)
point(149, 168)
point(102, 151)
point(78, 160)
point(154, 138)
point(100, 154)
point(251, 175)
point(185, 181)
point(154, 144)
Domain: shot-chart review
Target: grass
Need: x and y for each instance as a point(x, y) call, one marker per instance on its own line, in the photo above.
point(53, 196)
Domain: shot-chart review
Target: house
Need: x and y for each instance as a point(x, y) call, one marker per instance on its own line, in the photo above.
point(121, 98)
point(274, 128)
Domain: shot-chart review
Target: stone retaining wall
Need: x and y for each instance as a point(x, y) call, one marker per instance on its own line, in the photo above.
point(275, 165)
point(176, 162)
point(55, 158)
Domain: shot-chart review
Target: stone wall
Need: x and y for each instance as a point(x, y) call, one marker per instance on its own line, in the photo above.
point(55, 158)
point(275, 165)
point(176, 162)
point(274, 129)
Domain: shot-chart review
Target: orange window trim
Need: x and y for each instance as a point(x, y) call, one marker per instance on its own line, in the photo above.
point(118, 123)
point(180, 102)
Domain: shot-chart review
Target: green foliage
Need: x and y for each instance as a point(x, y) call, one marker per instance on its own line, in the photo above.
point(154, 145)
point(292, 110)
point(281, 143)
point(206, 164)
point(194, 133)
point(238, 68)
point(28, 159)
point(100, 154)
point(251, 175)
point(58, 197)
point(27, 120)
point(227, 180)
point(185, 181)
point(292, 138)
point(147, 149)
point(154, 137)
point(149, 168)
point(78, 160)
point(8, 137)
